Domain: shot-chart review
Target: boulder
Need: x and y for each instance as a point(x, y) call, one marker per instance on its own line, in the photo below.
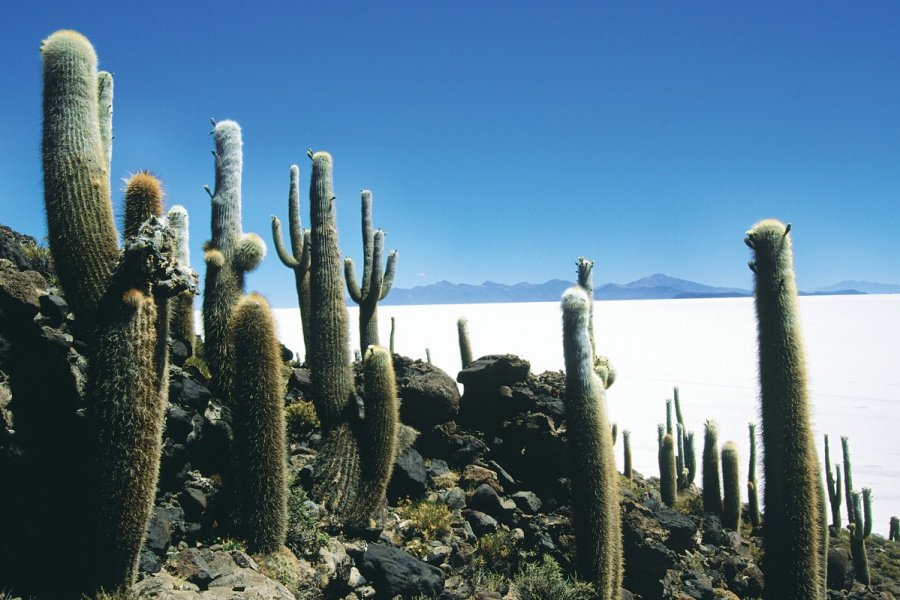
point(428, 395)
point(393, 572)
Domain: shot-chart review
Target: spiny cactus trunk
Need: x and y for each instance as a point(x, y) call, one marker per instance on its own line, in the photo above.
point(731, 487)
point(465, 346)
point(834, 489)
point(595, 494)
point(712, 490)
point(628, 471)
point(667, 471)
point(792, 533)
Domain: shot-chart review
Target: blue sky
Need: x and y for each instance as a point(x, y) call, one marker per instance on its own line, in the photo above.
point(502, 140)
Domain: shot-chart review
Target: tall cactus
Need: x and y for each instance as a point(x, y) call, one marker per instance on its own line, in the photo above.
point(80, 226)
point(834, 488)
point(860, 529)
point(586, 282)
point(793, 534)
point(712, 491)
point(595, 495)
point(297, 259)
point(848, 479)
point(668, 478)
point(731, 487)
point(181, 315)
point(346, 482)
point(690, 458)
point(375, 284)
point(752, 485)
point(465, 346)
point(230, 254)
point(260, 448)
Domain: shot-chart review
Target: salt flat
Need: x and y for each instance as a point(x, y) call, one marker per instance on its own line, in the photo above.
point(707, 347)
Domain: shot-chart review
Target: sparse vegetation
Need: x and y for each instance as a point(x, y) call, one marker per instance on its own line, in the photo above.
point(545, 579)
point(301, 419)
point(429, 518)
point(304, 536)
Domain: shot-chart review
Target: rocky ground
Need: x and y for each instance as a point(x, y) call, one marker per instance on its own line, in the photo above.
point(478, 506)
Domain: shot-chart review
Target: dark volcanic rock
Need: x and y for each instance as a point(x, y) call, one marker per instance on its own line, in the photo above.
point(447, 442)
point(410, 478)
point(429, 396)
point(491, 372)
point(394, 572)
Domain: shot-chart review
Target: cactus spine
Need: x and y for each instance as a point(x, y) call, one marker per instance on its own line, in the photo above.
point(595, 492)
point(731, 487)
point(793, 533)
point(465, 347)
point(81, 230)
point(668, 477)
point(712, 491)
point(259, 438)
point(297, 259)
point(752, 487)
point(181, 315)
point(628, 471)
point(859, 530)
point(375, 284)
point(834, 488)
point(348, 483)
point(230, 254)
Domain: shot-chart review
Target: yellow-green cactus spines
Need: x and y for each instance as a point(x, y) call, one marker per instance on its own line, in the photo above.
point(668, 477)
point(731, 487)
point(143, 199)
point(378, 439)
point(297, 258)
point(181, 314)
point(260, 448)
point(465, 346)
point(124, 389)
point(375, 283)
point(712, 491)
point(230, 254)
point(793, 533)
point(595, 494)
point(80, 226)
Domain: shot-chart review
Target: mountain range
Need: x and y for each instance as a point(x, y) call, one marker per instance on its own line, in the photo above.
point(654, 287)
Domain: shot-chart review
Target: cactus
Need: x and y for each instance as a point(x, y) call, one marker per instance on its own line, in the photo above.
point(230, 254)
point(731, 487)
point(104, 113)
point(260, 448)
point(348, 483)
point(297, 259)
point(894, 530)
point(181, 313)
point(859, 531)
point(690, 458)
point(143, 199)
point(848, 479)
point(712, 492)
point(375, 285)
point(80, 226)
point(465, 347)
point(614, 431)
point(677, 399)
point(660, 432)
point(393, 331)
point(585, 272)
point(793, 535)
point(669, 428)
point(595, 494)
point(680, 467)
point(628, 471)
point(428, 355)
point(834, 489)
point(668, 478)
point(752, 492)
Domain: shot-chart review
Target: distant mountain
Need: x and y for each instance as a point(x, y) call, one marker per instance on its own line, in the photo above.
point(649, 288)
point(865, 287)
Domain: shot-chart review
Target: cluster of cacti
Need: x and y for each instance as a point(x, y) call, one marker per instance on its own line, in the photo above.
point(119, 298)
point(731, 487)
point(752, 486)
point(375, 283)
point(298, 258)
point(595, 494)
point(465, 346)
point(795, 540)
point(860, 529)
point(355, 463)
point(712, 491)
point(686, 460)
point(230, 255)
point(833, 483)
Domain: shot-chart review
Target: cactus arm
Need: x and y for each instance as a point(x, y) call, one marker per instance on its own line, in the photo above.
point(586, 282)
point(677, 399)
point(350, 278)
point(389, 272)
point(104, 112)
point(368, 236)
point(294, 224)
point(867, 511)
point(226, 199)
point(287, 259)
point(465, 347)
point(143, 199)
point(848, 478)
point(80, 225)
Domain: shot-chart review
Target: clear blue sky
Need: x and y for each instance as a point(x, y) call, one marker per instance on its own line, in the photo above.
point(502, 140)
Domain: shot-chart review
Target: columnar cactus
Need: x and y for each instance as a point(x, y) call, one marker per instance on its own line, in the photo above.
point(793, 533)
point(375, 284)
point(731, 487)
point(595, 494)
point(690, 458)
point(297, 259)
point(894, 530)
point(181, 315)
point(712, 491)
point(668, 479)
point(230, 254)
point(143, 199)
point(104, 112)
point(586, 282)
point(834, 489)
point(627, 471)
point(260, 448)
point(752, 486)
point(346, 482)
point(393, 332)
point(848, 479)
point(859, 531)
point(465, 347)
point(80, 226)
point(680, 468)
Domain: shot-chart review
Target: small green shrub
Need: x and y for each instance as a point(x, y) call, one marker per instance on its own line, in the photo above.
point(304, 537)
point(429, 518)
point(301, 419)
point(41, 260)
point(543, 580)
point(282, 566)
